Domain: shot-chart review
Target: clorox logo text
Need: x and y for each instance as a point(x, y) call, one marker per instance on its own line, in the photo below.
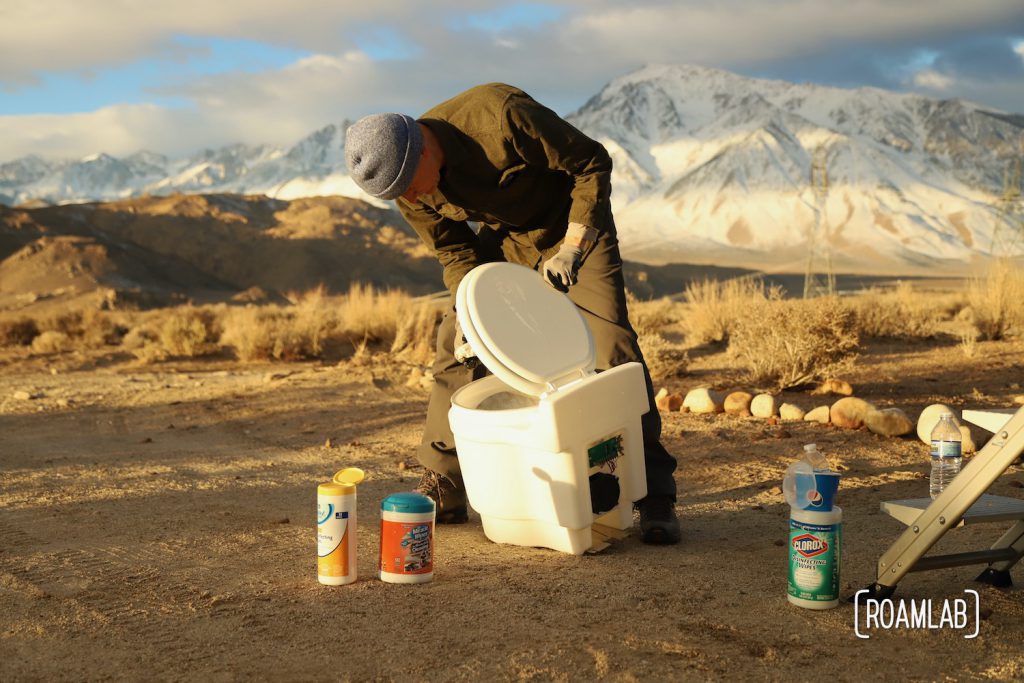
point(809, 546)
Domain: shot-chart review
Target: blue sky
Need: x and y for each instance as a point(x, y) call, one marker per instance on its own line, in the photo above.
point(83, 76)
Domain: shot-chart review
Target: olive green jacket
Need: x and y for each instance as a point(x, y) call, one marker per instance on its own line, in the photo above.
point(518, 169)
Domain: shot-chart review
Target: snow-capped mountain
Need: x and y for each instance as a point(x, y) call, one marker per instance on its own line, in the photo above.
point(315, 166)
point(708, 161)
point(709, 166)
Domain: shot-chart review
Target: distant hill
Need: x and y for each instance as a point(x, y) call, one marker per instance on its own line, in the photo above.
point(161, 250)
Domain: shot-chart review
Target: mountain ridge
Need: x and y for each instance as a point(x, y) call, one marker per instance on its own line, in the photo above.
point(707, 164)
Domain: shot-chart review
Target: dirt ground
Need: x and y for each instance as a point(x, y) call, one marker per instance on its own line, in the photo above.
point(157, 522)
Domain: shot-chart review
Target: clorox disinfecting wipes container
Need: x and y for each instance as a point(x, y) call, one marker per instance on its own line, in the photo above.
point(407, 538)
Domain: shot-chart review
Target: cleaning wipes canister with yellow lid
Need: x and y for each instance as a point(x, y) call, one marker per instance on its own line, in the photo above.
point(336, 528)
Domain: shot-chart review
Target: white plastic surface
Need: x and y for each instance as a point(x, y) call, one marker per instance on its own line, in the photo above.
point(529, 335)
point(526, 470)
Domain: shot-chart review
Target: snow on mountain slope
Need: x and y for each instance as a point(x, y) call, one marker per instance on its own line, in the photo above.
point(709, 165)
point(715, 162)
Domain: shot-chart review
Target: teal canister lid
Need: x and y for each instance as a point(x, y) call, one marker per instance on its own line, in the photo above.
point(407, 502)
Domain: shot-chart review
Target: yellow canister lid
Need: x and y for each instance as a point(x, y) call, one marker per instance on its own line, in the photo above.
point(344, 482)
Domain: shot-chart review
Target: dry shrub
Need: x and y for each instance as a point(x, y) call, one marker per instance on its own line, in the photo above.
point(263, 333)
point(665, 360)
point(651, 316)
point(650, 319)
point(18, 332)
point(969, 343)
point(789, 343)
point(317, 325)
point(414, 338)
point(997, 301)
point(89, 328)
point(374, 316)
point(899, 312)
point(52, 341)
point(713, 308)
point(188, 332)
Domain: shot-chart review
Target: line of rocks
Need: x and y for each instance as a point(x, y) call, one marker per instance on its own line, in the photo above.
point(848, 412)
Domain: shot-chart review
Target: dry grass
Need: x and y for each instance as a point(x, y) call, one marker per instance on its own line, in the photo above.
point(996, 301)
point(781, 342)
point(789, 343)
point(414, 338)
point(900, 312)
point(714, 308)
point(318, 325)
point(650, 319)
point(189, 332)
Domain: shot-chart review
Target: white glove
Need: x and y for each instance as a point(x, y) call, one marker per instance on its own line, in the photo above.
point(463, 351)
point(561, 270)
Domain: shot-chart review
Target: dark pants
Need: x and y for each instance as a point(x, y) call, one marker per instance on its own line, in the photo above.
point(600, 296)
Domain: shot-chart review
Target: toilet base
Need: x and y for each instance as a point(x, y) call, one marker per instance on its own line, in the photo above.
point(534, 533)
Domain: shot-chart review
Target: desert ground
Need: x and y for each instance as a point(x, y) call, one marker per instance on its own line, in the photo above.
point(157, 522)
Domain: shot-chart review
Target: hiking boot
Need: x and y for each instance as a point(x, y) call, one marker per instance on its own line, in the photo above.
point(658, 522)
point(449, 494)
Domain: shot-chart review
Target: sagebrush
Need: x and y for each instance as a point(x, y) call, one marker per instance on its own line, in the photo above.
point(788, 343)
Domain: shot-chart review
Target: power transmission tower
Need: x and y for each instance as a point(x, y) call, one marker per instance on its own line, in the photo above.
point(819, 242)
point(1007, 212)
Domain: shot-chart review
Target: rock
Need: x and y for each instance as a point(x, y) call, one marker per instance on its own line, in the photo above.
point(849, 412)
point(929, 418)
point(889, 422)
point(275, 376)
point(763, 405)
point(738, 403)
point(821, 415)
point(702, 401)
point(669, 402)
point(1018, 400)
point(789, 411)
point(23, 396)
point(834, 386)
point(967, 443)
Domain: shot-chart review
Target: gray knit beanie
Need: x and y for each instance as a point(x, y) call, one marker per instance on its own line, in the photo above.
point(382, 152)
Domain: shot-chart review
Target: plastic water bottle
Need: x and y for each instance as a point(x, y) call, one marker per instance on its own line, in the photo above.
point(946, 455)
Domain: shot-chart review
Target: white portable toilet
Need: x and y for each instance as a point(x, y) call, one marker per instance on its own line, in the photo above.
point(527, 467)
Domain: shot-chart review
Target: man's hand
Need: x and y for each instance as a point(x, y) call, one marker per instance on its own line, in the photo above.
point(561, 269)
point(463, 351)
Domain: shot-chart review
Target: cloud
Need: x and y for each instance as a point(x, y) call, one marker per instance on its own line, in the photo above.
point(118, 130)
point(406, 55)
point(929, 79)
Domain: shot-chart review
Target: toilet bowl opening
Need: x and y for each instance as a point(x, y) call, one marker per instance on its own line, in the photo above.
point(508, 400)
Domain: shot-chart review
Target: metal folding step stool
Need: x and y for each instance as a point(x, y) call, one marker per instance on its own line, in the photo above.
point(963, 501)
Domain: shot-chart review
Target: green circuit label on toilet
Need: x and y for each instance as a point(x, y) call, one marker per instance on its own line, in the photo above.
point(814, 560)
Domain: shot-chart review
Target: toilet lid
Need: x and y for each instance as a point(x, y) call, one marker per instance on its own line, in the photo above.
point(530, 336)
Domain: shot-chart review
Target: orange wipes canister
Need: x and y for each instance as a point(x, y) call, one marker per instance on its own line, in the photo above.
point(407, 538)
point(336, 528)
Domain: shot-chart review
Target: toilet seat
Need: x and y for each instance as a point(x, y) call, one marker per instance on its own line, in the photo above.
point(530, 336)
